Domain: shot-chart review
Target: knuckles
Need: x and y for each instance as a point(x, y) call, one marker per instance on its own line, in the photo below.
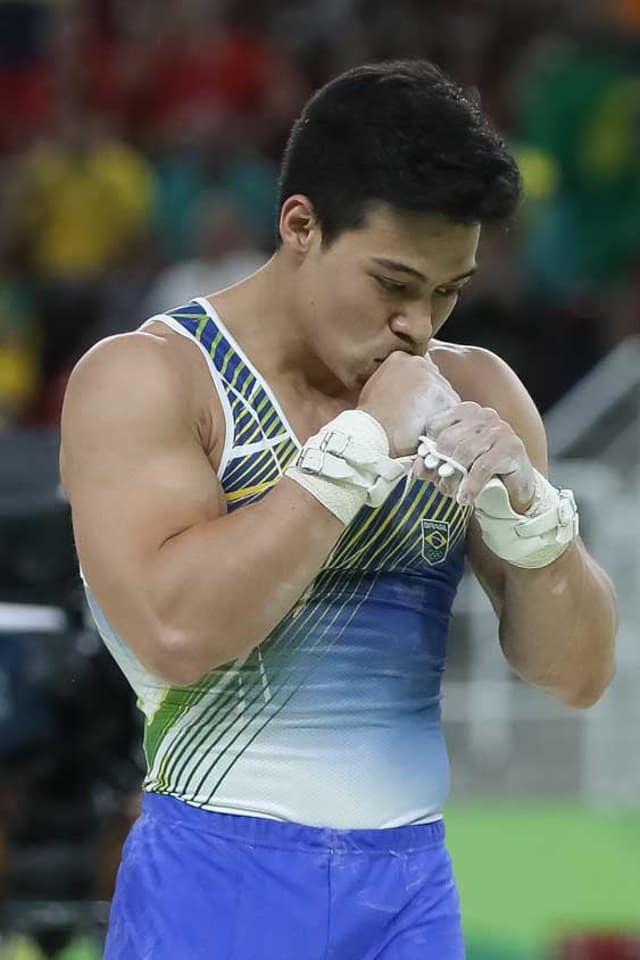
point(463, 436)
point(401, 357)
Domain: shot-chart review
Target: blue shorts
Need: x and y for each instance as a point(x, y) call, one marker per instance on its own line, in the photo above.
point(195, 884)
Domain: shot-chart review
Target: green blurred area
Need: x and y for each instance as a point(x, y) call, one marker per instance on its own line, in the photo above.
point(530, 875)
point(23, 948)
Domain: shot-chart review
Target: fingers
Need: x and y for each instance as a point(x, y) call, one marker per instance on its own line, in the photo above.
point(456, 438)
point(431, 461)
point(479, 443)
point(447, 484)
point(463, 443)
point(480, 473)
point(439, 470)
point(475, 455)
point(468, 413)
point(497, 461)
point(445, 478)
point(471, 448)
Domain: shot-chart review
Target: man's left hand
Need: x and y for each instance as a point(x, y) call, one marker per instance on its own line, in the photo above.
point(486, 446)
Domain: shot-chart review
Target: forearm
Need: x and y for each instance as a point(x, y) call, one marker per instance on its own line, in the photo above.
point(557, 626)
point(222, 586)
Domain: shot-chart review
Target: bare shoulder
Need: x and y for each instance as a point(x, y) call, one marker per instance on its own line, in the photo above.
point(128, 385)
point(133, 382)
point(121, 372)
point(113, 362)
point(481, 376)
point(476, 373)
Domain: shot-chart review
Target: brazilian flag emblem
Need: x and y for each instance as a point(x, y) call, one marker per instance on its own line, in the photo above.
point(435, 541)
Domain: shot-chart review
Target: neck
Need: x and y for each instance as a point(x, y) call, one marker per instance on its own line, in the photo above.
point(262, 314)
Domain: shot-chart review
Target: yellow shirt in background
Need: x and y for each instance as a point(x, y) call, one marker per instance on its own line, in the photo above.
point(82, 206)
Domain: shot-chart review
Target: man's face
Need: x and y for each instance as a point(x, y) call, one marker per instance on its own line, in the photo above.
point(389, 285)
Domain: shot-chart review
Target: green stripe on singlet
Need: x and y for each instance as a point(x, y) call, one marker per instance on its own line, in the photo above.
point(217, 725)
point(253, 428)
point(231, 384)
point(258, 467)
point(284, 703)
point(178, 315)
point(214, 345)
point(237, 400)
point(225, 363)
point(283, 641)
point(168, 714)
point(162, 724)
point(206, 688)
point(200, 327)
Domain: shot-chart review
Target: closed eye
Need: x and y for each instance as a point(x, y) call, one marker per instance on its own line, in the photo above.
point(391, 286)
point(448, 291)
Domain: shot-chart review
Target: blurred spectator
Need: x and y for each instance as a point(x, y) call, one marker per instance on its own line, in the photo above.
point(579, 105)
point(26, 91)
point(23, 30)
point(225, 251)
point(81, 196)
point(222, 70)
point(78, 203)
point(19, 350)
point(629, 13)
point(185, 172)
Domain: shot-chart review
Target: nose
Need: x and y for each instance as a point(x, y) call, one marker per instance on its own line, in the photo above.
point(414, 327)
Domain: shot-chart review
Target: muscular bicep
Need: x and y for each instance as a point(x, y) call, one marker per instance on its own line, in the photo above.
point(500, 388)
point(135, 472)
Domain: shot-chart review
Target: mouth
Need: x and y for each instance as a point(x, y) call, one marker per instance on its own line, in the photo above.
point(371, 368)
point(379, 360)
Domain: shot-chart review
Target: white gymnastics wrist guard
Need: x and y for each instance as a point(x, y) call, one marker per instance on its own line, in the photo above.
point(347, 465)
point(532, 540)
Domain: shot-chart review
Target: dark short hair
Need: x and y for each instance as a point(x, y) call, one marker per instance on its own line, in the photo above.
point(399, 133)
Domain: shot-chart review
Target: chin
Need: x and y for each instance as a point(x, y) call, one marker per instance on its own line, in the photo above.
point(349, 382)
point(348, 378)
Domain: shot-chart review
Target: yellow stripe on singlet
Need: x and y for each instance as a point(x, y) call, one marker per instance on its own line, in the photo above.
point(249, 491)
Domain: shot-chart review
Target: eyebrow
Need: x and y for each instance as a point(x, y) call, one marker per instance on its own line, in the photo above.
point(405, 268)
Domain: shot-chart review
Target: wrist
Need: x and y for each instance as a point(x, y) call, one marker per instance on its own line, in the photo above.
point(538, 537)
point(370, 426)
point(342, 500)
point(346, 465)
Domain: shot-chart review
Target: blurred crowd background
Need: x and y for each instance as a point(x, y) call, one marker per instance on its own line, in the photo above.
point(139, 152)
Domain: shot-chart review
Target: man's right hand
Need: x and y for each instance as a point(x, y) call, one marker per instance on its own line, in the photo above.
point(403, 393)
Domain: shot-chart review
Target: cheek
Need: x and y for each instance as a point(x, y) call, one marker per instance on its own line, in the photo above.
point(357, 311)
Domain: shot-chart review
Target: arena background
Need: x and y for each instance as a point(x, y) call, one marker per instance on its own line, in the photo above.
point(139, 145)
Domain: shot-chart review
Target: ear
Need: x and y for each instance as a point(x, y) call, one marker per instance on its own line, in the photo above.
point(299, 225)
